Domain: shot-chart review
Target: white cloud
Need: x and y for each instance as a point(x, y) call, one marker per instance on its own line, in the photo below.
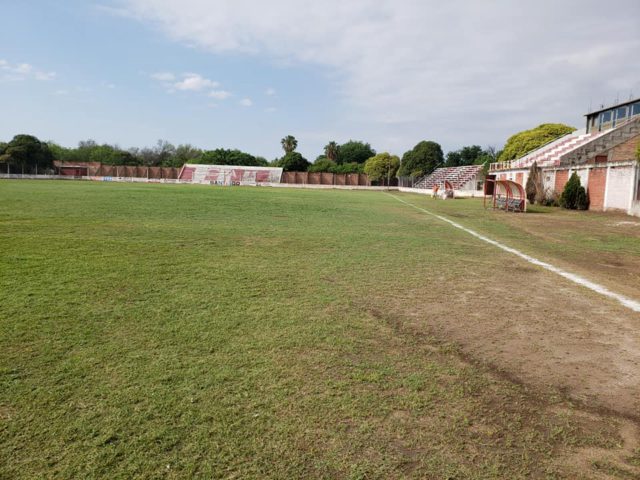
point(23, 71)
point(163, 76)
point(246, 102)
point(23, 68)
point(45, 75)
point(219, 94)
point(270, 91)
point(61, 92)
point(194, 82)
point(457, 72)
point(189, 82)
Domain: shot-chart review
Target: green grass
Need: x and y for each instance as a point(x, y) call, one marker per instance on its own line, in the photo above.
point(151, 331)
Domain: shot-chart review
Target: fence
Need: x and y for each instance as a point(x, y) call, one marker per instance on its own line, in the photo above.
point(407, 182)
point(88, 169)
point(325, 178)
point(133, 171)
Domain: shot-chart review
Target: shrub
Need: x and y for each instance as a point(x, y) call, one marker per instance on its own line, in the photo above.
point(550, 199)
point(574, 196)
point(533, 187)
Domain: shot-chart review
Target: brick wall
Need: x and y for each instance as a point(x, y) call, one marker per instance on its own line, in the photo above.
point(597, 183)
point(519, 178)
point(562, 176)
point(625, 151)
point(302, 178)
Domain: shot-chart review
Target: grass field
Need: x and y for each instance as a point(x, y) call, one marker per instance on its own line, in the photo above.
point(152, 331)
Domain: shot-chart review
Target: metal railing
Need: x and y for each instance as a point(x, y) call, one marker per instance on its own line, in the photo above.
point(500, 165)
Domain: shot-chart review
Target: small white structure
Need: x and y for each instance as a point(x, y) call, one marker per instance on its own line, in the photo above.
point(229, 174)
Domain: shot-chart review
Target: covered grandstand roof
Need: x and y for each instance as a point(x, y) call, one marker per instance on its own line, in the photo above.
point(610, 107)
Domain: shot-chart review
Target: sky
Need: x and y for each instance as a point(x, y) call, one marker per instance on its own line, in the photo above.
point(243, 74)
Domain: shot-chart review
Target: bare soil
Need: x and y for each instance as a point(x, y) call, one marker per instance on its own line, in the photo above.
point(543, 331)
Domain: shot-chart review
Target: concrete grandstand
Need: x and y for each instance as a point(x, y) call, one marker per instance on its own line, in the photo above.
point(602, 154)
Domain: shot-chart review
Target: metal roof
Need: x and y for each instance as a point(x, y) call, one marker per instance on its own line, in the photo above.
point(621, 104)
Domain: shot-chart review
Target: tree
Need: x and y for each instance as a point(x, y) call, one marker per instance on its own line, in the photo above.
point(524, 142)
point(351, 167)
point(87, 144)
point(489, 156)
point(637, 153)
point(354, 152)
point(289, 144)
point(293, 162)
point(147, 156)
point(453, 159)
point(465, 156)
point(122, 157)
point(61, 153)
point(534, 189)
point(421, 160)
point(323, 164)
point(222, 156)
point(331, 151)
point(165, 152)
point(27, 151)
point(185, 154)
point(382, 167)
point(574, 196)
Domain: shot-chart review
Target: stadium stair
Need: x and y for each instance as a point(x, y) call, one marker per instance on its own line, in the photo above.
point(576, 147)
point(457, 176)
point(603, 142)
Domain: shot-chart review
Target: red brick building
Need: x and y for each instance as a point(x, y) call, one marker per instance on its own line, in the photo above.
point(603, 155)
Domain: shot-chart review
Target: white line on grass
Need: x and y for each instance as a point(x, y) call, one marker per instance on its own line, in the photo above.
point(627, 302)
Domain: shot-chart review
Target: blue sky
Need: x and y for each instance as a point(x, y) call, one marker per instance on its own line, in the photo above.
point(243, 74)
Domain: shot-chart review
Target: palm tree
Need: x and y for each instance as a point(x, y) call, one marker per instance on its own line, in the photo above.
point(289, 143)
point(331, 151)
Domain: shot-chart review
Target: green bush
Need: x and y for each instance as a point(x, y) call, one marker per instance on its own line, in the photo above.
point(574, 196)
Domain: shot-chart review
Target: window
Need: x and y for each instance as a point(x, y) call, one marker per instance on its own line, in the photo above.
point(621, 113)
point(635, 108)
point(605, 117)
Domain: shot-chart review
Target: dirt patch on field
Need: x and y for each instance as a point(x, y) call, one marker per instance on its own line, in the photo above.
point(602, 248)
point(538, 329)
point(551, 334)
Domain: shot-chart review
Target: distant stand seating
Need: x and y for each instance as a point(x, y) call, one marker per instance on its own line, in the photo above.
point(458, 177)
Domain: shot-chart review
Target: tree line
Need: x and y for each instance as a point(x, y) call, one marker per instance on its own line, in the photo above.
point(27, 151)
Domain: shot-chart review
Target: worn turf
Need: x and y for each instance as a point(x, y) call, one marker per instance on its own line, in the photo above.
point(164, 331)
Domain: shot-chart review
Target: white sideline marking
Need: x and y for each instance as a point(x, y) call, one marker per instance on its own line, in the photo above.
point(627, 302)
